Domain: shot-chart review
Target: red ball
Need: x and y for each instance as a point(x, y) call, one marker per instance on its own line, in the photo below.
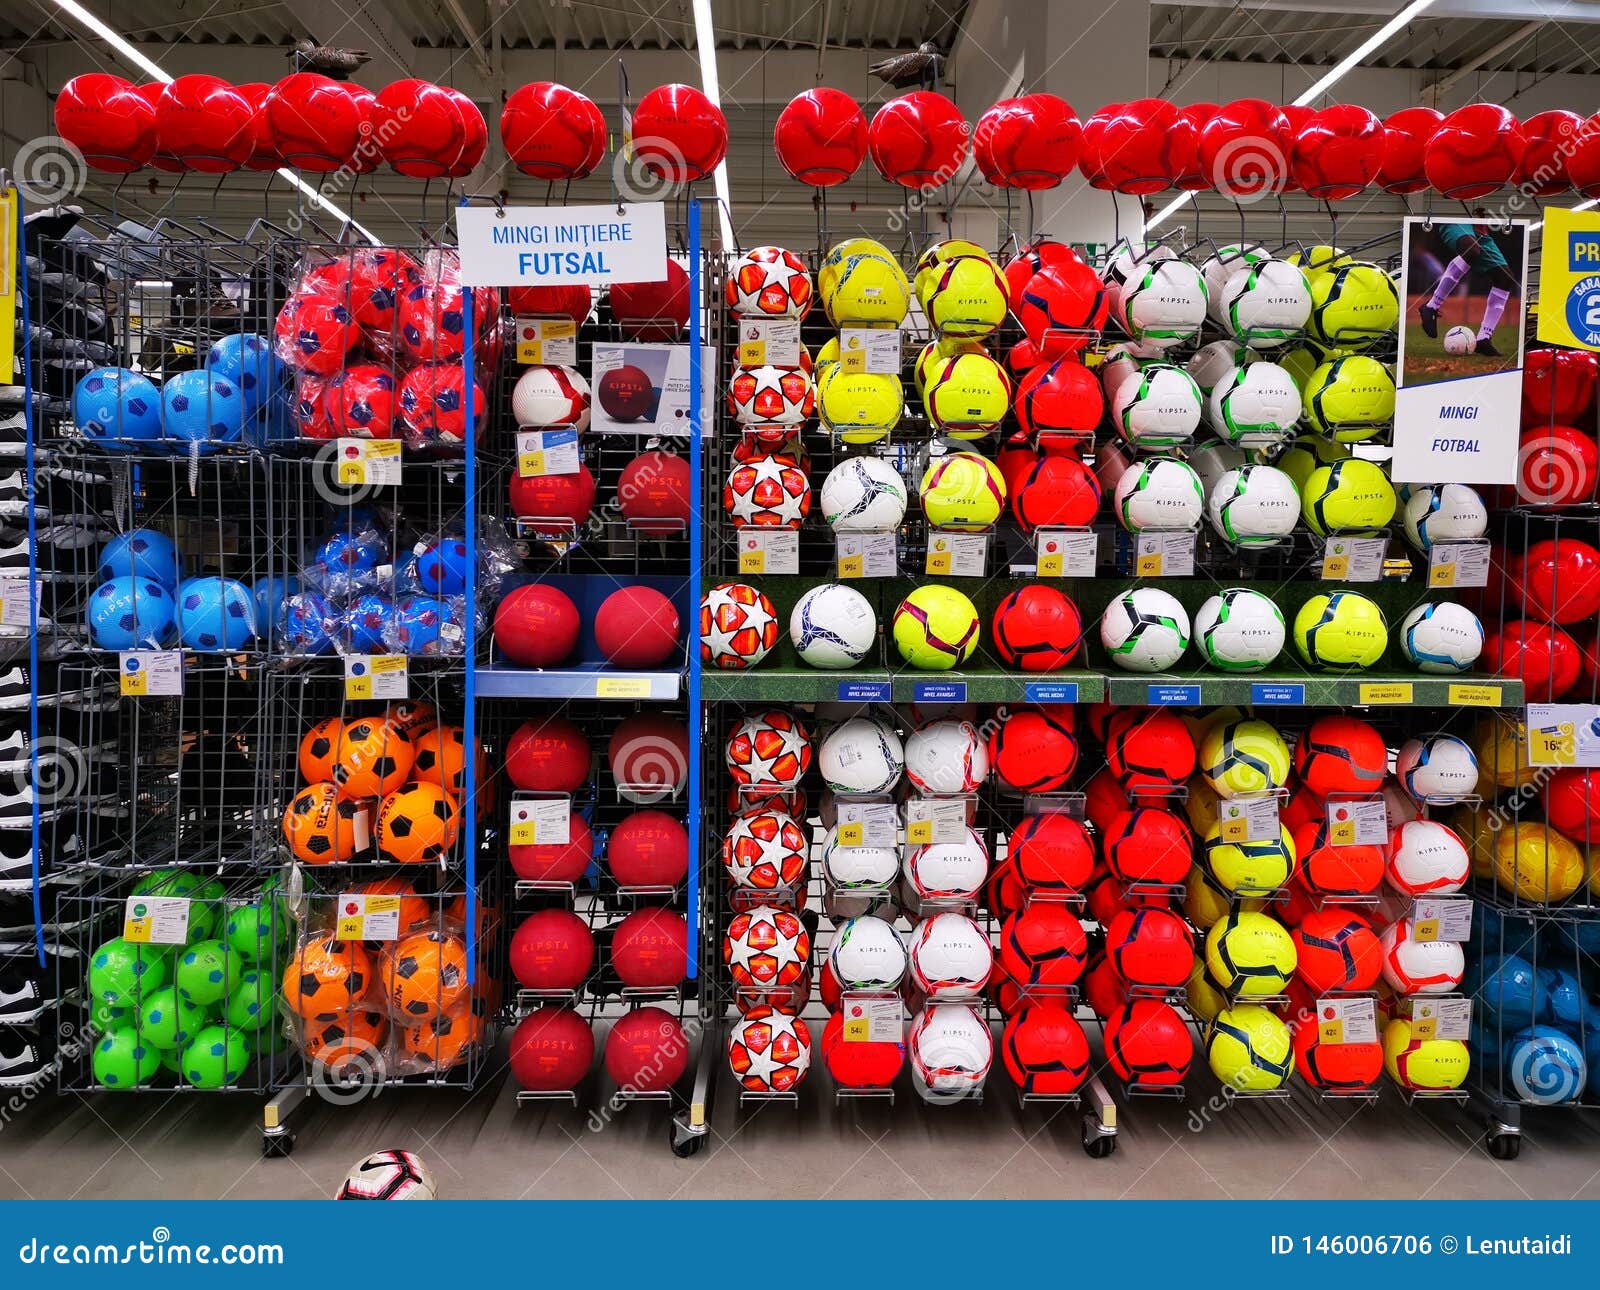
point(646, 1050)
point(679, 134)
point(205, 124)
point(1340, 754)
point(1561, 579)
point(648, 754)
point(1060, 398)
point(1149, 845)
point(1243, 150)
point(432, 318)
point(1327, 869)
point(313, 333)
point(1003, 891)
point(1103, 990)
point(1405, 138)
point(367, 155)
point(1149, 749)
point(263, 151)
point(1150, 947)
point(1030, 142)
point(821, 137)
point(1546, 658)
point(1145, 146)
point(361, 401)
point(648, 849)
point(1551, 138)
point(1034, 750)
point(1334, 1066)
point(308, 410)
point(1558, 386)
point(1051, 852)
point(918, 140)
point(548, 755)
point(433, 403)
point(1045, 1051)
point(1104, 799)
point(475, 134)
point(552, 1050)
point(555, 861)
point(860, 1063)
point(637, 627)
point(1336, 950)
point(1475, 150)
point(316, 123)
point(552, 950)
point(161, 159)
point(1037, 628)
point(108, 121)
point(1021, 267)
point(650, 949)
point(1089, 159)
point(1193, 178)
point(552, 132)
point(1147, 1043)
point(1572, 803)
point(652, 311)
point(417, 128)
point(1583, 162)
point(1337, 152)
point(1044, 946)
point(653, 491)
point(536, 626)
point(1295, 117)
point(554, 497)
point(574, 300)
point(1062, 306)
point(1557, 466)
point(377, 278)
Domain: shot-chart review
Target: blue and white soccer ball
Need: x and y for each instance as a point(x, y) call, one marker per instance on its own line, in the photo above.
point(1439, 768)
point(1546, 1066)
point(833, 627)
point(203, 409)
point(149, 553)
point(1442, 638)
point(215, 614)
point(1443, 513)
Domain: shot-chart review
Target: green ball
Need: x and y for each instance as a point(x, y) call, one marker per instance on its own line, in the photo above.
point(167, 1020)
point(217, 1057)
point(172, 1061)
point(206, 971)
point(254, 932)
point(205, 918)
point(104, 1016)
point(122, 1060)
point(121, 973)
point(249, 1007)
point(168, 882)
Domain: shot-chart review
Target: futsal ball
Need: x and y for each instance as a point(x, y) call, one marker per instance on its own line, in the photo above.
point(1221, 267)
point(1344, 1067)
point(833, 627)
point(1423, 1065)
point(834, 261)
point(1254, 506)
point(1341, 629)
point(1149, 749)
point(766, 851)
point(1439, 769)
point(1350, 398)
point(767, 492)
point(769, 282)
point(1411, 966)
point(859, 407)
point(1054, 490)
point(1164, 303)
point(1337, 950)
point(935, 628)
point(1459, 341)
point(551, 395)
point(1265, 304)
point(1148, 845)
point(1043, 947)
point(966, 297)
point(1536, 863)
point(857, 1063)
point(1052, 853)
point(1037, 628)
point(963, 492)
point(1148, 1044)
point(1442, 638)
point(1250, 867)
point(1157, 406)
point(1249, 1048)
point(389, 1175)
point(1444, 513)
point(1145, 630)
point(967, 396)
point(1256, 404)
point(1239, 630)
point(769, 1050)
point(1239, 758)
point(863, 494)
point(945, 871)
point(1339, 754)
point(1305, 454)
point(1427, 858)
point(1250, 955)
point(1353, 306)
point(951, 1050)
point(769, 749)
point(1546, 1066)
point(950, 957)
point(765, 947)
point(771, 396)
point(946, 757)
point(1060, 398)
point(738, 626)
point(1045, 1051)
point(861, 755)
point(935, 354)
point(1033, 749)
point(867, 288)
point(1149, 947)
point(1161, 493)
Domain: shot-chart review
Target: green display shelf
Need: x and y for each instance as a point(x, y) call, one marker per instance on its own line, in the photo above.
point(1297, 689)
point(874, 685)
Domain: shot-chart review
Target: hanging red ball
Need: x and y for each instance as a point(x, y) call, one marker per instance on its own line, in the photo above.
point(1583, 162)
point(161, 159)
point(1145, 146)
point(1030, 142)
point(474, 134)
point(1337, 152)
point(821, 137)
point(316, 123)
point(417, 128)
point(1193, 179)
point(1405, 136)
point(679, 134)
point(552, 132)
point(1551, 136)
point(263, 153)
point(205, 124)
point(918, 140)
point(1475, 150)
point(1243, 150)
point(1089, 162)
point(108, 121)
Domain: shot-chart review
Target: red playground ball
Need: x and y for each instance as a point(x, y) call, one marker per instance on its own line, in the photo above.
point(555, 861)
point(652, 310)
point(679, 133)
point(647, 1050)
point(821, 137)
point(648, 849)
point(1045, 1050)
point(551, 1050)
point(650, 949)
point(536, 626)
point(637, 627)
point(653, 493)
point(860, 1063)
point(554, 497)
point(649, 757)
point(552, 950)
point(1147, 1043)
point(625, 393)
point(548, 755)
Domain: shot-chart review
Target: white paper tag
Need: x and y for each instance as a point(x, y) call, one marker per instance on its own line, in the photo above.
point(1353, 559)
point(151, 672)
point(1459, 564)
point(541, 821)
point(871, 1018)
point(868, 555)
point(1358, 821)
point(1065, 553)
point(547, 452)
point(870, 349)
point(156, 920)
point(957, 555)
point(1164, 555)
point(1442, 1017)
point(1442, 918)
point(769, 342)
point(936, 819)
point(376, 676)
point(369, 463)
point(547, 340)
point(1347, 1020)
point(1563, 734)
point(769, 550)
point(878, 823)
point(15, 603)
point(1256, 818)
point(368, 918)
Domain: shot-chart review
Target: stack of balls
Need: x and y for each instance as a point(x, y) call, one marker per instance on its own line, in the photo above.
point(636, 626)
point(143, 602)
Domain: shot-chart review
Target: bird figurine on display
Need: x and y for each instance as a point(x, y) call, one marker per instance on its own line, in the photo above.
point(328, 59)
point(919, 67)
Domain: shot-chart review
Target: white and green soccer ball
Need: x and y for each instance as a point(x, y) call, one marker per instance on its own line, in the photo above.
point(1145, 630)
point(1239, 630)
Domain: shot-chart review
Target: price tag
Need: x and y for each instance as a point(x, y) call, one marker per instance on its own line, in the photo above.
point(151, 672)
point(547, 340)
point(1347, 1021)
point(622, 687)
point(936, 819)
point(769, 342)
point(1164, 555)
point(1462, 695)
point(369, 463)
point(539, 821)
point(1459, 564)
point(870, 349)
point(868, 555)
point(871, 1019)
point(1377, 693)
point(1354, 559)
point(376, 676)
point(867, 824)
point(1442, 918)
point(1358, 821)
point(16, 604)
point(1066, 553)
point(1248, 819)
point(547, 452)
point(368, 918)
point(1563, 734)
point(769, 550)
point(156, 920)
point(957, 555)
point(1441, 1017)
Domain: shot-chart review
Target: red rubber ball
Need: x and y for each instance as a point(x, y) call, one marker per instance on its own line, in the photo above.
point(548, 755)
point(555, 861)
point(637, 627)
point(536, 626)
point(554, 497)
point(650, 949)
point(646, 1050)
point(551, 1050)
point(648, 849)
point(552, 950)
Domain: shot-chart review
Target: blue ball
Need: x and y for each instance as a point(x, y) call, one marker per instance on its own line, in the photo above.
point(271, 596)
point(442, 567)
point(1485, 1038)
point(148, 553)
point(199, 407)
point(1566, 938)
point(117, 408)
point(1570, 1005)
point(427, 625)
point(353, 552)
point(364, 622)
point(308, 623)
point(246, 360)
point(215, 613)
point(131, 612)
point(1514, 991)
point(1503, 933)
point(1546, 1066)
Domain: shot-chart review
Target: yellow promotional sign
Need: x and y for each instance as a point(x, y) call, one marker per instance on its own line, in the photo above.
point(8, 278)
point(1569, 279)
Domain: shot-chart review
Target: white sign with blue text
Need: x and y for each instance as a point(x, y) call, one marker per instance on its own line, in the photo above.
point(535, 246)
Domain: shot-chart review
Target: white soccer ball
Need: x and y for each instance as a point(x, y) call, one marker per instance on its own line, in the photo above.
point(1213, 361)
point(1427, 859)
point(1266, 304)
point(1223, 265)
point(1254, 506)
point(868, 954)
point(1160, 493)
point(1239, 630)
point(1158, 406)
point(1460, 340)
point(950, 957)
point(1444, 513)
point(389, 1175)
point(944, 757)
point(1145, 630)
point(551, 396)
point(1165, 304)
point(1441, 638)
point(1212, 460)
point(769, 282)
point(1255, 405)
point(951, 1051)
point(863, 494)
point(1130, 261)
point(948, 870)
point(858, 868)
point(1440, 769)
point(862, 755)
point(771, 396)
point(1419, 967)
point(833, 627)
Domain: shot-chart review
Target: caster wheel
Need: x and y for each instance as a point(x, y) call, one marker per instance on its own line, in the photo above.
point(683, 1148)
point(277, 1146)
point(1097, 1146)
point(1505, 1146)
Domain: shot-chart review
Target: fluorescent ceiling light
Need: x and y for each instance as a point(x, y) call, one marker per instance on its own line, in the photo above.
point(156, 72)
point(705, 40)
point(1335, 74)
point(1581, 206)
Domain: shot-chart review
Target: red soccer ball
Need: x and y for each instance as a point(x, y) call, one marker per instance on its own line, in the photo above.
point(1149, 749)
point(1583, 163)
point(1561, 579)
point(1061, 397)
point(1547, 659)
point(1037, 628)
point(536, 626)
point(574, 300)
point(316, 123)
point(1030, 142)
point(1150, 947)
point(821, 137)
point(1044, 946)
point(108, 121)
point(1558, 386)
point(1094, 126)
point(161, 159)
point(652, 311)
point(1062, 307)
point(1147, 1043)
point(552, 1050)
point(1056, 490)
point(308, 409)
point(1045, 1050)
point(1572, 803)
point(553, 949)
point(552, 132)
point(313, 333)
point(1557, 466)
point(1243, 150)
point(1551, 138)
point(637, 627)
point(1051, 852)
point(433, 403)
point(679, 134)
point(1337, 152)
point(417, 128)
point(361, 401)
point(1405, 137)
point(378, 278)
point(1194, 179)
point(205, 124)
point(263, 151)
point(432, 318)
point(568, 498)
point(1345, 1067)
point(1336, 949)
point(1148, 845)
point(1021, 267)
point(1145, 146)
point(860, 1063)
point(918, 140)
point(1475, 150)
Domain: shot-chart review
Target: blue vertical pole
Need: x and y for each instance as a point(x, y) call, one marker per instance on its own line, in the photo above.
point(33, 585)
point(469, 718)
point(696, 411)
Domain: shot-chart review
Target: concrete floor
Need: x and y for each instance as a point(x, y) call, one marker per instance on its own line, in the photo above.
point(485, 1146)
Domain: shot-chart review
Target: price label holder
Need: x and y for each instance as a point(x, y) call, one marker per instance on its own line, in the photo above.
point(1248, 819)
point(1459, 564)
point(1563, 734)
point(156, 920)
point(867, 822)
point(547, 340)
point(936, 819)
point(1377, 694)
point(368, 463)
point(376, 676)
point(769, 342)
point(1066, 553)
point(1463, 694)
point(538, 821)
point(957, 555)
point(875, 350)
point(1164, 555)
point(368, 918)
point(1443, 1016)
point(17, 598)
point(868, 555)
point(871, 1018)
point(1347, 1019)
point(769, 550)
point(1358, 821)
point(1353, 559)
point(622, 687)
point(1442, 918)
point(547, 452)
point(150, 673)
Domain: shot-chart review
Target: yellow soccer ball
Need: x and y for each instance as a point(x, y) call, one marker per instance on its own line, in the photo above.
point(1306, 454)
point(1242, 868)
point(1474, 824)
point(1240, 757)
point(1316, 261)
point(1249, 1048)
point(1423, 1065)
point(1339, 630)
point(926, 270)
point(1205, 1000)
point(1250, 955)
point(859, 407)
point(967, 396)
point(1352, 495)
point(834, 261)
point(964, 492)
point(1501, 744)
point(1350, 398)
point(935, 354)
point(870, 288)
point(967, 297)
point(1537, 864)
point(1354, 305)
point(935, 628)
